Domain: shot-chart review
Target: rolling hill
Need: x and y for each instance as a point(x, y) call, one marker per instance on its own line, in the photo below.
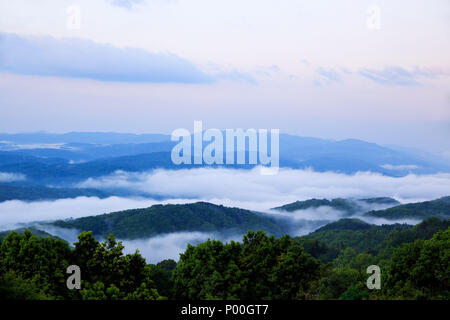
point(34, 193)
point(348, 206)
point(327, 242)
point(50, 158)
point(160, 219)
point(33, 230)
point(435, 208)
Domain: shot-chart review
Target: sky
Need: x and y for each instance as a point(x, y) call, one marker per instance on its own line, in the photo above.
point(373, 70)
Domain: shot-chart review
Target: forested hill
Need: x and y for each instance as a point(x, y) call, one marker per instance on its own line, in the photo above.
point(35, 231)
point(325, 243)
point(349, 206)
point(346, 224)
point(436, 208)
point(34, 193)
point(159, 219)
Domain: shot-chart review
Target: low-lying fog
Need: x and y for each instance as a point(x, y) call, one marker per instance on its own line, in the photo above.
point(237, 188)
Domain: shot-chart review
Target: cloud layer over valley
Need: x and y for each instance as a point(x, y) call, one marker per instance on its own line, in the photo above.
point(249, 189)
point(235, 188)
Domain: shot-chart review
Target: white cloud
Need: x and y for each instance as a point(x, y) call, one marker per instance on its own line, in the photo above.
point(169, 246)
point(236, 188)
point(380, 221)
point(14, 212)
point(249, 189)
point(127, 4)
point(10, 177)
point(400, 167)
point(154, 249)
point(81, 58)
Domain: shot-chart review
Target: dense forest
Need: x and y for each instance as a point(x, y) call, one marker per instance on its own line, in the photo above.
point(209, 217)
point(158, 219)
point(327, 264)
point(420, 210)
point(349, 206)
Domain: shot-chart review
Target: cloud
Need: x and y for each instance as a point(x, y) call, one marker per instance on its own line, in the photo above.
point(130, 4)
point(381, 221)
point(236, 76)
point(169, 246)
point(154, 249)
point(249, 189)
point(79, 58)
point(10, 177)
point(391, 75)
point(12, 146)
point(234, 188)
point(16, 212)
point(127, 4)
point(329, 75)
point(400, 167)
point(266, 71)
point(305, 221)
point(394, 75)
point(305, 62)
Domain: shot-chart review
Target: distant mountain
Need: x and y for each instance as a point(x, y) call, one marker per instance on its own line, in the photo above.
point(346, 224)
point(381, 200)
point(346, 156)
point(33, 193)
point(347, 206)
point(160, 219)
point(12, 158)
point(64, 173)
point(436, 208)
point(352, 155)
point(83, 152)
point(67, 173)
point(82, 137)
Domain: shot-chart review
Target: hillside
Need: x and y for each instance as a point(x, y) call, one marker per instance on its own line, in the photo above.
point(160, 219)
point(371, 238)
point(346, 224)
point(33, 230)
point(435, 208)
point(349, 206)
point(33, 193)
point(67, 158)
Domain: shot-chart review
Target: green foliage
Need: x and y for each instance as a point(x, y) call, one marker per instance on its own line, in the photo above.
point(318, 249)
point(167, 265)
point(35, 231)
point(162, 280)
point(346, 224)
point(348, 206)
point(362, 240)
point(414, 262)
point(42, 260)
point(36, 268)
point(158, 219)
point(261, 267)
point(376, 239)
point(109, 274)
point(14, 287)
point(345, 205)
point(422, 210)
point(422, 268)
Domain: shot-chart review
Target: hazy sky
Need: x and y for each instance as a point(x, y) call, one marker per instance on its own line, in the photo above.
point(374, 70)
